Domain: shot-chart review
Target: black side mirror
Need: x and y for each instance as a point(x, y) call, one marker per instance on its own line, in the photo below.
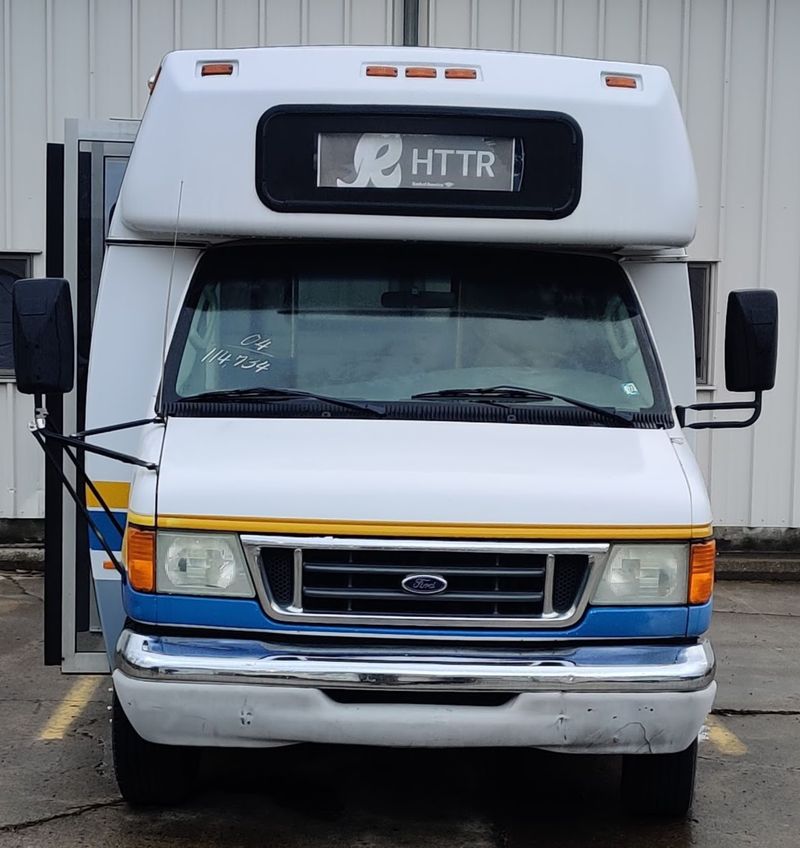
point(751, 353)
point(44, 342)
point(751, 340)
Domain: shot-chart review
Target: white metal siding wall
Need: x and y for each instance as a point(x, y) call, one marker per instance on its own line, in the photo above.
point(735, 66)
point(91, 59)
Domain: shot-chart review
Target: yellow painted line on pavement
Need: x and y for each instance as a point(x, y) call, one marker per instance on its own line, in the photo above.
point(70, 708)
point(724, 740)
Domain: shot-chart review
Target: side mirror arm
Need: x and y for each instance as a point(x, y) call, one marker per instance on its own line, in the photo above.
point(47, 438)
point(753, 405)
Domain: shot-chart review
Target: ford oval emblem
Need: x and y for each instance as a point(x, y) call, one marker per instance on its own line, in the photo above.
point(424, 584)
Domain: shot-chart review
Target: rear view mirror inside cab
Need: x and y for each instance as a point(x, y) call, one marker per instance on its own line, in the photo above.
point(414, 299)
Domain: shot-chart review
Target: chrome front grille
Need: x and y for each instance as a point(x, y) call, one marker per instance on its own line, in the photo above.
point(371, 582)
point(423, 583)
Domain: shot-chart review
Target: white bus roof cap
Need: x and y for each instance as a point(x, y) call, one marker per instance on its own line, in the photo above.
point(198, 139)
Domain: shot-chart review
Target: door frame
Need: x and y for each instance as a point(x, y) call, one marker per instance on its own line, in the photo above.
point(115, 137)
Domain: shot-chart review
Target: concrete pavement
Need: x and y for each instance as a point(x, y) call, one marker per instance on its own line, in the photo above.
point(57, 785)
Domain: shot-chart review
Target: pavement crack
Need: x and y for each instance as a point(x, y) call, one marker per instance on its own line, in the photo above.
point(13, 580)
point(100, 766)
point(70, 813)
point(754, 712)
point(755, 612)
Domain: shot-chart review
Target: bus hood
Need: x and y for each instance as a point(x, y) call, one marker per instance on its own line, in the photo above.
point(374, 477)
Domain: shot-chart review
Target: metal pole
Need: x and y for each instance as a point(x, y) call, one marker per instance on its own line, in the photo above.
point(411, 23)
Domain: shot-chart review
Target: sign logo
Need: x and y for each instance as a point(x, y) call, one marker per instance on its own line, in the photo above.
point(419, 161)
point(377, 162)
point(424, 584)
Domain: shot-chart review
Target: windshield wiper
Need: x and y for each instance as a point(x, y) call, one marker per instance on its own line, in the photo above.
point(520, 394)
point(278, 395)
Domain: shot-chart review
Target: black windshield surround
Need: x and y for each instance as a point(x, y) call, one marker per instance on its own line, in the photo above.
point(454, 284)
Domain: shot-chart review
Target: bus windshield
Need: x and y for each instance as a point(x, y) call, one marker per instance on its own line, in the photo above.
point(384, 323)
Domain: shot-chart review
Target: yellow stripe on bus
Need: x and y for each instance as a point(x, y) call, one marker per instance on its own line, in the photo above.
point(329, 527)
point(115, 494)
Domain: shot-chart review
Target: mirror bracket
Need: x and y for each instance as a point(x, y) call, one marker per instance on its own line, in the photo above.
point(753, 405)
point(50, 439)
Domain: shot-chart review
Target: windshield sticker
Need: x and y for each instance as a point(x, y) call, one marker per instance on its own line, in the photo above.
point(253, 344)
point(630, 389)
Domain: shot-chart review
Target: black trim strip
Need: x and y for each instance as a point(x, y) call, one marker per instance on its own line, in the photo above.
point(53, 493)
point(434, 645)
point(168, 242)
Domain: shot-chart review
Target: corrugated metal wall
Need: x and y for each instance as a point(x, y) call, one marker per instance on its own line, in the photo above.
point(91, 59)
point(735, 65)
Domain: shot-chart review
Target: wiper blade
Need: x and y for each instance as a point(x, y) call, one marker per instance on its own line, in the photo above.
point(277, 395)
point(521, 394)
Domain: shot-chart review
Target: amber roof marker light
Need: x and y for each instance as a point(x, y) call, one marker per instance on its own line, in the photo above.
point(460, 73)
point(621, 81)
point(381, 71)
point(151, 83)
point(421, 73)
point(216, 69)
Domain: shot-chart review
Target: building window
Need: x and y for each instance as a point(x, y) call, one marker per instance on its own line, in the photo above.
point(700, 288)
point(13, 266)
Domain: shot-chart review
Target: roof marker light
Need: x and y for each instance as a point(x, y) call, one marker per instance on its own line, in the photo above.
point(381, 71)
point(151, 83)
point(620, 81)
point(460, 73)
point(421, 73)
point(216, 69)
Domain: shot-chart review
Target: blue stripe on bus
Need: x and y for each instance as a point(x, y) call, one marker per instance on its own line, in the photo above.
point(109, 531)
point(246, 614)
point(699, 619)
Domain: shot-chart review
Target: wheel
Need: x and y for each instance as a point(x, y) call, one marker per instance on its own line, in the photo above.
point(659, 785)
point(150, 774)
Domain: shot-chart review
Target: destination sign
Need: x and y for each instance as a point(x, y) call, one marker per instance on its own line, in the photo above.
point(415, 161)
point(418, 160)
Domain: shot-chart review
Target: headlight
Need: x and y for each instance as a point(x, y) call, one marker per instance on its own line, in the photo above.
point(202, 564)
point(644, 574)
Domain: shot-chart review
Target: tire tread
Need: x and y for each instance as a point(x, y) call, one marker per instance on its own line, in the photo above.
point(149, 774)
point(659, 785)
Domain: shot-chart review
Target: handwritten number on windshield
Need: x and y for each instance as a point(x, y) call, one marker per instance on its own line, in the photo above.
point(253, 344)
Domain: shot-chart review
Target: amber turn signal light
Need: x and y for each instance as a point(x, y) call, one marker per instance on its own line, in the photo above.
point(139, 556)
point(701, 572)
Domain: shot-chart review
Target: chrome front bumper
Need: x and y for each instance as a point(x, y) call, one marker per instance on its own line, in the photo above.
point(606, 668)
point(243, 693)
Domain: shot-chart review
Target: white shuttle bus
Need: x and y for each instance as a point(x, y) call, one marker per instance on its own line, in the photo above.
point(387, 382)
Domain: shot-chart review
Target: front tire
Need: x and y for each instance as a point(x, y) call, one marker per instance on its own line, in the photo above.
point(149, 774)
point(659, 785)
